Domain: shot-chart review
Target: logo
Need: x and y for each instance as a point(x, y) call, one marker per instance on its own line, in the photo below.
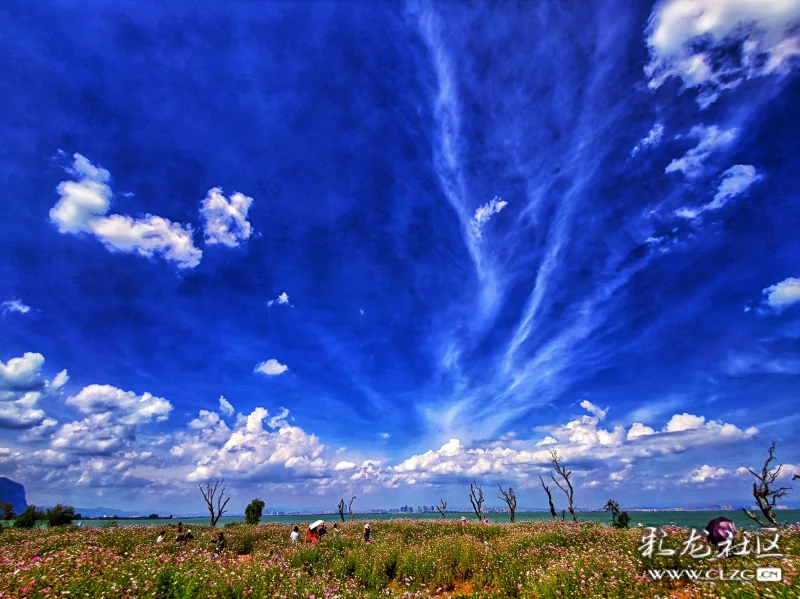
point(768, 574)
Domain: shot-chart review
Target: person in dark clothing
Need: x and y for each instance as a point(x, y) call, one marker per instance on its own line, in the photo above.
point(179, 533)
point(321, 531)
point(366, 533)
point(188, 536)
point(220, 544)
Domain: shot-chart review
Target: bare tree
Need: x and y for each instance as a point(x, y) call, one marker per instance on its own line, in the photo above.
point(511, 501)
point(209, 492)
point(341, 508)
point(549, 499)
point(765, 497)
point(476, 498)
point(350, 507)
point(564, 473)
point(441, 508)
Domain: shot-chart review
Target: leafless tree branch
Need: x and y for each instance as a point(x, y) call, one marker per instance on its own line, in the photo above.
point(564, 473)
point(476, 498)
point(549, 499)
point(209, 492)
point(511, 501)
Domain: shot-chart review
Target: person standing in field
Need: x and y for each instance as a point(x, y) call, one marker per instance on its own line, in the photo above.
point(463, 521)
point(179, 533)
point(335, 528)
point(161, 536)
point(189, 536)
point(295, 535)
point(366, 533)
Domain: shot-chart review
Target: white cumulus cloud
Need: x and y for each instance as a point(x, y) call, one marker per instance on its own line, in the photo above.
point(783, 294)
point(83, 208)
point(593, 409)
point(125, 406)
point(225, 220)
point(714, 45)
point(22, 373)
point(705, 474)
point(344, 466)
point(684, 422)
point(271, 367)
point(254, 453)
point(225, 407)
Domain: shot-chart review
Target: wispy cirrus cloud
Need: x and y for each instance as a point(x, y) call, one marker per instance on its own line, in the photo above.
point(735, 181)
point(709, 140)
point(651, 140)
point(281, 300)
point(484, 213)
point(14, 305)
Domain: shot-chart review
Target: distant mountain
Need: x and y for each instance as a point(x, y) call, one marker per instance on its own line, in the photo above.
point(14, 493)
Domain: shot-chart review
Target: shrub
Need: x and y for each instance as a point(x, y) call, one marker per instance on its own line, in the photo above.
point(60, 515)
point(6, 511)
point(252, 513)
point(29, 517)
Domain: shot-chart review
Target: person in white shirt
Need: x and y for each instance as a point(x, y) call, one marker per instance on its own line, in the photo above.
point(295, 534)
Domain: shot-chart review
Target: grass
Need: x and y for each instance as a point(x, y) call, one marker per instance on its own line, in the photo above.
point(406, 558)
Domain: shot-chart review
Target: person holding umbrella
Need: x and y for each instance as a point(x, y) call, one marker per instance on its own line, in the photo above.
point(720, 532)
point(312, 534)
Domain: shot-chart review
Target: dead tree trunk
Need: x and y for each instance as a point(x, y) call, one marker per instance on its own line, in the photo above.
point(209, 491)
point(766, 497)
point(564, 473)
point(549, 499)
point(441, 508)
point(511, 501)
point(476, 499)
point(341, 508)
point(350, 508)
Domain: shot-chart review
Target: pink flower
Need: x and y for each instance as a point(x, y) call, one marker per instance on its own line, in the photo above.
point(36, 558)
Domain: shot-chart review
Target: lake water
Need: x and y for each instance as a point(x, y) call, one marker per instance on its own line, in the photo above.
point(684, 519)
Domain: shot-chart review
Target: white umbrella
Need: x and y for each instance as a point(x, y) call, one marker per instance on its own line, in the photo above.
point(313, 525)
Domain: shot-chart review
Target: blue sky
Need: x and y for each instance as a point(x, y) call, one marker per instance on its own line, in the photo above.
point(409, 244)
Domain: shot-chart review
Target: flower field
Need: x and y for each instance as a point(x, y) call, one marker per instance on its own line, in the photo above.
point(405, 558)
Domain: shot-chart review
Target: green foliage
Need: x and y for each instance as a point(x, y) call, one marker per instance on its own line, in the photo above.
point(252, 513)
point(29, 517)
point(619, 519)
point(6, 511)
point(60, 515)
